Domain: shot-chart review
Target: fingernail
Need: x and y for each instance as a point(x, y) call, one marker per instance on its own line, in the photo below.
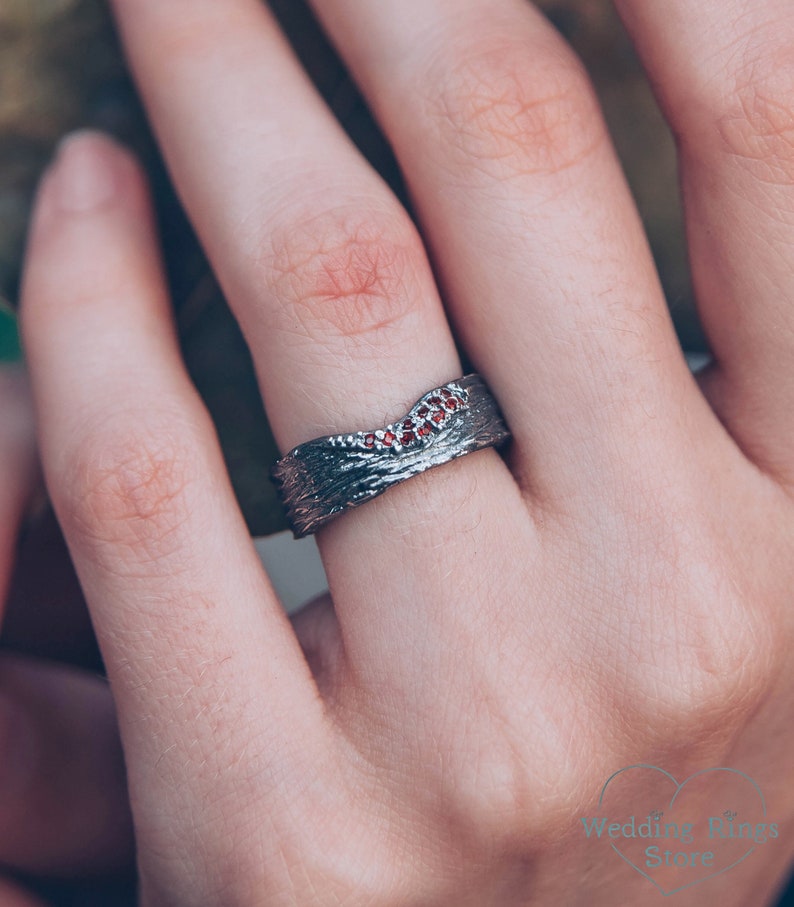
point(84, 175)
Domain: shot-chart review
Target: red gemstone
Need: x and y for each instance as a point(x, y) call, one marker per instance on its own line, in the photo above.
point(438, 416)
point(434, 401)
point(388, 438)
point(409, 423)
point(407, 437)
point(446, 392)
point(451, 404)
point(422, 412)
point(423, 430)
point(369, 441)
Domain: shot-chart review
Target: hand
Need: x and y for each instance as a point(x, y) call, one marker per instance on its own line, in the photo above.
point(504, 633)
point(63, 805)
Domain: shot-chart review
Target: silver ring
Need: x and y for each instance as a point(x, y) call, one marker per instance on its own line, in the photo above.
point(320, 479)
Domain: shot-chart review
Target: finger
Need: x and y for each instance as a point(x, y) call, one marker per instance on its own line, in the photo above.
point(724, 71)
point(534, 234)
point(330, 283)
point(322, 266)
point(63, 795)
point(187, 622)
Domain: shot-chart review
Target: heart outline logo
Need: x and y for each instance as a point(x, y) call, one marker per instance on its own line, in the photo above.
point(678, 788)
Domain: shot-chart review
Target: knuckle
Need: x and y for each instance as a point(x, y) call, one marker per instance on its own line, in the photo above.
point(344, 273)
point(500, 794)
point(515, 771)
point(755, 121)
point(496, 106)
point(125, 486)
point(709, 666)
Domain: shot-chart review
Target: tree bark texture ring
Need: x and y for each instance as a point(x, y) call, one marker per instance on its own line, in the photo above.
point(320, 479)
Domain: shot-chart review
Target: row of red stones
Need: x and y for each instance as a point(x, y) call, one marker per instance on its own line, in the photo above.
point(435, 412)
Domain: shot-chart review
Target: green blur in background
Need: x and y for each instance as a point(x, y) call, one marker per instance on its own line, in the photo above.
point(10, 350)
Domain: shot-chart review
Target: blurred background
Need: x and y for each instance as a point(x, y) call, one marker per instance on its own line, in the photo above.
point(61, 69)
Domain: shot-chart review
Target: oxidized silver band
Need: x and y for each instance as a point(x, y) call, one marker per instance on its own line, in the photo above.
point(320, 479)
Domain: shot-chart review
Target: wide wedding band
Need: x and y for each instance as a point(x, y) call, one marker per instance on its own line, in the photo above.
point(322, 478)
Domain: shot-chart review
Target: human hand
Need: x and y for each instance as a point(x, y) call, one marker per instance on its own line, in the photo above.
point(502, 634)
point(62, 793)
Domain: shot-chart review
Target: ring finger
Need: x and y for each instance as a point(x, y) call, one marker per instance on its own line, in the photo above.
point(330, 282)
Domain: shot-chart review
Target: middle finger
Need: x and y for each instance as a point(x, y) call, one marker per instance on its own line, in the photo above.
point(533, 231)
point(328, 277)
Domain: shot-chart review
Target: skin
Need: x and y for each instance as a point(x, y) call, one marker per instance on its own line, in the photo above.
point(503, 632)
